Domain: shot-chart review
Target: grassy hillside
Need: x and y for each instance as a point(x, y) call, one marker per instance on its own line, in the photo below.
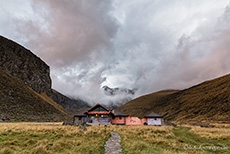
point(208, 101)
point(71, 105)
point(143, 105)
point(24, 104)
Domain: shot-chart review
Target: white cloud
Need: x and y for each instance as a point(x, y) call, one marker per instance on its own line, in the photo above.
point(149, 45)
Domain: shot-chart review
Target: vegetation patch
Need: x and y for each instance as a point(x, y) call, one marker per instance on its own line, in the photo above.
point(151, 139)
point(204, 103)
point(28, 137)
point(51, 138)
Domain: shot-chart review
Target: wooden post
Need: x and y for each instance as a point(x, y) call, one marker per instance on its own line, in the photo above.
point(110, 120)
point(105, 128)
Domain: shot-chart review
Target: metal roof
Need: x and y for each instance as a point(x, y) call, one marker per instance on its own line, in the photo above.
point(119, 113)
point(153, 115)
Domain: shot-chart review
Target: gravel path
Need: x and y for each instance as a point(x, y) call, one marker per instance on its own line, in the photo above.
point(113, 145)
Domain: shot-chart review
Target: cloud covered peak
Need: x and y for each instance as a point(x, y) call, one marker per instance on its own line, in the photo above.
point(145, 45)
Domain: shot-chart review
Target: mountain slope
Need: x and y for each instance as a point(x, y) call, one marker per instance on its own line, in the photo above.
point(33, 72)
point(23, 64)
point(208, 101)
point(141, 105)
point(71, 105)
point(23, 103)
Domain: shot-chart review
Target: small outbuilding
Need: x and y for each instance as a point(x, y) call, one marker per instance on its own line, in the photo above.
point(154, 119)
point(79, 118)
point(118, 117)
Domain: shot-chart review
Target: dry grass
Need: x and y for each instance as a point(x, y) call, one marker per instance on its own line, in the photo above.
point(150, 139)
point(213, 133)
point(206, 102)
point(144, 104)
point(54, 104)
point(32, 137)
point(143, 139)
point(24, 104)
point(50, 138)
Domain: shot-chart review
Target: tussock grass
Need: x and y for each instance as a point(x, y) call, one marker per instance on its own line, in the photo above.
point(50, 138)
point(213, 133)
point(152, 139)
point(32, 137)
point(54, 104)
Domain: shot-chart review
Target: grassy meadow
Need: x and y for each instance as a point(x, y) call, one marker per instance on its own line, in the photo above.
point(54, 138)
point(44, 138)
point(165, 139)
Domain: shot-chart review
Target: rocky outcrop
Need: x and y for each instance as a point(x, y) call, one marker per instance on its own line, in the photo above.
point(71, 105)
point(33, 72)
point(118, 91)
point(20, 62)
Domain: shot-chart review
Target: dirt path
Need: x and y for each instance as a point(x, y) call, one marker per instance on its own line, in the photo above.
point(113, 145)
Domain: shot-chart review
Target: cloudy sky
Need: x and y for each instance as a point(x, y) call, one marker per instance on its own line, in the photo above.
point(149, 45)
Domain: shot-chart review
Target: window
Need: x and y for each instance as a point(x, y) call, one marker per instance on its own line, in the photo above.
point(120, 118)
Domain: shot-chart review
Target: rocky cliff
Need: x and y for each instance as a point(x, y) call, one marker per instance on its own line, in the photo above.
point(71, 105)
point(118, 91)
point(20, 62)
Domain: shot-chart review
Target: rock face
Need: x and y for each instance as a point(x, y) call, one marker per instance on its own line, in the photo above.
point(33, 72)
point(71, 105)
point(21, 63)
point(118, 91)
point(120, 96)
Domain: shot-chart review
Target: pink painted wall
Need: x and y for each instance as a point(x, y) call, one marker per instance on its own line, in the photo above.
point(135, 121)
point(117, 120)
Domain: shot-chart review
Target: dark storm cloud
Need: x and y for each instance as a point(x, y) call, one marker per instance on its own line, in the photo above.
point(78, 31)
point(200, 56)
point(146, 45)
point(171, 46)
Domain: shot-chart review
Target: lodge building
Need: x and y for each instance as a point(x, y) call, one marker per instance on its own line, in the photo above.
point(99, 114)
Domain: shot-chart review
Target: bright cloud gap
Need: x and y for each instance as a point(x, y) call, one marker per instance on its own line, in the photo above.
point(145, 45)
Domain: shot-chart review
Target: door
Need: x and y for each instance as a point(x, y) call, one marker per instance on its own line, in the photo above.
point(85, 119)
